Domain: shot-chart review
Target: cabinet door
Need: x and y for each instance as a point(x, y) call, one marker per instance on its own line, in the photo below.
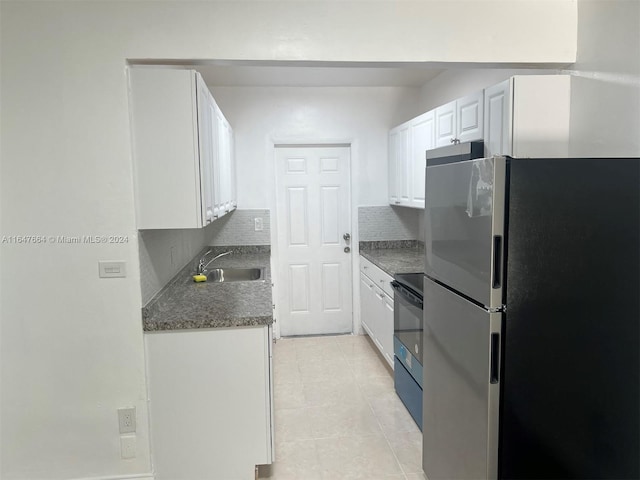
point(386, 330)
point(219, 164)
point(206, 144)
point(233, 179)
point(446, 124)
point(422, 139)
point(469, 117)
point(394, 139)
point(497, 119)
point(225, 167)
point(367, 299)
point(378, 317)
point(165, 148)
point(404, 161)
point(221, 404)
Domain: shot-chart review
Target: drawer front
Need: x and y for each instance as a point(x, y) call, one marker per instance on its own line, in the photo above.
point(381, 279)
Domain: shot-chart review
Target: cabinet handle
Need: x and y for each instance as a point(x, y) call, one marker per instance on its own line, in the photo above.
point(397, 201)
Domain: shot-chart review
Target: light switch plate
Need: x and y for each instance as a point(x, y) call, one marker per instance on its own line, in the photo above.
point(128, 446)
point(116, 269)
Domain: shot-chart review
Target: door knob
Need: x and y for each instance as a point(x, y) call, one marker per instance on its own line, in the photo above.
point(347, 237)
point(347, 249)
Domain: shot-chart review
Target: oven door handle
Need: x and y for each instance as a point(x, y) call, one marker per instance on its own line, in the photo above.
point(406, 295)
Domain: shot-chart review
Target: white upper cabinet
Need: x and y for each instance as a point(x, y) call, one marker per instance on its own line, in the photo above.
point(460, 120)
point(225, 168)
point(399, 175)
point(422, 133)
point(469, 117)
point(394, 139)
point(407, 144)
point(497, 119)
point(445, 124)
point(206, 143)
point(404, 169)
point(177, 149)
point(528, 116)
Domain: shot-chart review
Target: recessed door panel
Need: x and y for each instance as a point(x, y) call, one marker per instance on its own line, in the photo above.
point(330, 217)
point(469, 117)
point(297, 216)
point(331, 287)
point(299, 288)
point(296, 165)
point(329, 165)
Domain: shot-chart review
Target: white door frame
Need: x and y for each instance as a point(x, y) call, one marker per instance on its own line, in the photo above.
point(271, 144)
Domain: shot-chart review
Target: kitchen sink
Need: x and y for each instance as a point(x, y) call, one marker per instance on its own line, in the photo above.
point(235, 274)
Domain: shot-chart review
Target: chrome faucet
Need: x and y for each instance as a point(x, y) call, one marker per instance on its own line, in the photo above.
point(202, 266)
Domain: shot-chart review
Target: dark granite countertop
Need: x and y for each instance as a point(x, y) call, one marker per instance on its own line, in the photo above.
point(185, 304)
point(404, 256)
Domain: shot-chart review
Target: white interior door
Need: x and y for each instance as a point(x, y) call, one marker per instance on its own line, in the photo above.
point(313, 214)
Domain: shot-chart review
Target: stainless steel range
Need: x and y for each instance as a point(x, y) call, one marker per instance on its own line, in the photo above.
point(407, 341)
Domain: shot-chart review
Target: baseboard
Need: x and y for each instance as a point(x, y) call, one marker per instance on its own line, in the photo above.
point(137, 476)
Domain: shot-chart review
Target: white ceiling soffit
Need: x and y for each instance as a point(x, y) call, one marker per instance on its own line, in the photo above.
point(317, 74)
point(296, 76)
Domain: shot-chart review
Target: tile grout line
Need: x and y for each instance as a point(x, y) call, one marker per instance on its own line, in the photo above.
point(384, 434)
point(342, 348)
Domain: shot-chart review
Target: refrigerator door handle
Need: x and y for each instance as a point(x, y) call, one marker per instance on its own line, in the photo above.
point(495, 358)
point(496, 281)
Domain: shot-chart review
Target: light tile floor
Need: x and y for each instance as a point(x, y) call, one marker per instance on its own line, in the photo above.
point(337, 415)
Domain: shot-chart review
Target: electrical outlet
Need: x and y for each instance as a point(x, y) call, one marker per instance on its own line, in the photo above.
point(127, 419)
point(257, 224)
point(128, 446)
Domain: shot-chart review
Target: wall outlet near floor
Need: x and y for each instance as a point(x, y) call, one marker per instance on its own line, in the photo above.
point(128, 446)
point(127, 419)
point(257, 224)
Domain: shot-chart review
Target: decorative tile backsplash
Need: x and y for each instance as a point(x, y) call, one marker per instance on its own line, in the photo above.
point(238, 228)
point(389, 223)
point(163, 253)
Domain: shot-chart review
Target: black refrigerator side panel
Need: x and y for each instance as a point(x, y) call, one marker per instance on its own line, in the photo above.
point(571, 366)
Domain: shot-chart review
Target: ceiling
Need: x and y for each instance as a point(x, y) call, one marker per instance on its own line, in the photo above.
point(305, 74)
point(313, 76)
point(255, 73)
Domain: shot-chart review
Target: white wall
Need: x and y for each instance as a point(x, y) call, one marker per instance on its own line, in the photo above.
point(72, 349)
point(262, 115)
point(458, 82)
point(605, 86)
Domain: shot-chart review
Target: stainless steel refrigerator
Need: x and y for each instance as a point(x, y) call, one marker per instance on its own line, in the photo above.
point(531, 318)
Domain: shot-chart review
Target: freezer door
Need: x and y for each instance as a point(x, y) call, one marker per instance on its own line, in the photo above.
point(464, 225)
point(461, 375)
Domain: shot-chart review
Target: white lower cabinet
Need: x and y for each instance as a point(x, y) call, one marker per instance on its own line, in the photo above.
point(376, 307)
point(210, 402)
